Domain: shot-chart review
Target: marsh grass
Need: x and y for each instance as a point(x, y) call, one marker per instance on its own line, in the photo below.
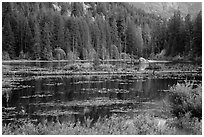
point(140, 124)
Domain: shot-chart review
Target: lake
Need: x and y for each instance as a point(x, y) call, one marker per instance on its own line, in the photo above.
point(71, 98)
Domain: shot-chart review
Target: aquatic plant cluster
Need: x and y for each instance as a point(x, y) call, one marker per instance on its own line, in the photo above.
point(185, 104)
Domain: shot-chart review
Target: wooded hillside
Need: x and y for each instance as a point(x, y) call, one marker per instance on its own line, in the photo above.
point(95, 30)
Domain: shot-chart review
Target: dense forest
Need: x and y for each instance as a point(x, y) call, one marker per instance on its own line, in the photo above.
point(95, 30)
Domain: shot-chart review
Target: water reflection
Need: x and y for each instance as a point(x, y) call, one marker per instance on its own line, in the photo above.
point(64, 96)
point(143, 66)
point(71, 98)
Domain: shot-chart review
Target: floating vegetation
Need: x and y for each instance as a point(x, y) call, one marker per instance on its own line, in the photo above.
point(164, 90)
point(54, 84)
point(55, 113)
point(115, 90)
point(36, 96)
point(86, 82)
point(103, 90)
point(100, 101)
point(8, 108)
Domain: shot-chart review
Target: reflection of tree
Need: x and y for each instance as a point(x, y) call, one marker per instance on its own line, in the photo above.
point(149, 86)
point(145, 87)
point(38, 86)
point(143, 66)
point(139, 86)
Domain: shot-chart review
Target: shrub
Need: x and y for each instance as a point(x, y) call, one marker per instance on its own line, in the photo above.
point(87, 66)
point(73, 67)
point(188, 124)
point(186, 105)
point(5, 55)
point(96, 62)
point(185, 98)
point(106, 67)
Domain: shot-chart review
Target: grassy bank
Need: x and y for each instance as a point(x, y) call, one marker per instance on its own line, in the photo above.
point(140, 124)
point(143, 124)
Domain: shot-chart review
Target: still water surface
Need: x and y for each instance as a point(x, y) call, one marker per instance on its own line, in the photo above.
point(70, 98)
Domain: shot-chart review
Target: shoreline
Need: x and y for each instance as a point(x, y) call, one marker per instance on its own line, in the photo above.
point(89, 61)
point(44, 73)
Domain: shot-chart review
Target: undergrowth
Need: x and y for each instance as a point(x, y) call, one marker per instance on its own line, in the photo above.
point(141, 125)
point(186, 105)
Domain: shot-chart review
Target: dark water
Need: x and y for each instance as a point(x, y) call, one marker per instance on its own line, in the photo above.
point(71, 98)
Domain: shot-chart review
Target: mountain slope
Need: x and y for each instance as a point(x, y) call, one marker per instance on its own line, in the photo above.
point(166, 9)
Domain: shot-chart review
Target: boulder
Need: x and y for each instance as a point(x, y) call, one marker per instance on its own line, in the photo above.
point(143, 60)
point(143, 64)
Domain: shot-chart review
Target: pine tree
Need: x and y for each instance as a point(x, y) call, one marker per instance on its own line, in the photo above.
point(121, 25)
point(108, 38)
point(37, 41)
point(60, 32)
point(175, 31)
point(67, 41)
point(95, 36)
point(85, 38)
point(114, 35)
point(188, 34)
point(47, 50)
point(20, 35)
point(102, 39)
point(147, 38)
point(134, 39)
point(197, 35)
point(27, 38)
point(77, 9)
point(8, 40)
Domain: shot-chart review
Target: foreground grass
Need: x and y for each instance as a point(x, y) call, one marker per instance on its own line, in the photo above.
point(143, 124)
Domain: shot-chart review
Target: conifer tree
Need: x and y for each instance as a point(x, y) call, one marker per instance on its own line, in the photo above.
point(197, 35)
point(60, 33)
point(134, 39)
point(47, 50)
point(114, 35)
point(37, 41)
point(8, 40)
point(67, 41)
point(188, 34)
point(27, 38)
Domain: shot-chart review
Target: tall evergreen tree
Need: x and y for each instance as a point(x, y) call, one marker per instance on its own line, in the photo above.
point(67, 41)
point(8, 40)
point(27, 38)
point(60, 32)
point(175, 31)
point(47, 50)
point(77, 9)
point(134, 39)
point(37, 41)
point(121, 25)
point(188, 34)
point(197, 35)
